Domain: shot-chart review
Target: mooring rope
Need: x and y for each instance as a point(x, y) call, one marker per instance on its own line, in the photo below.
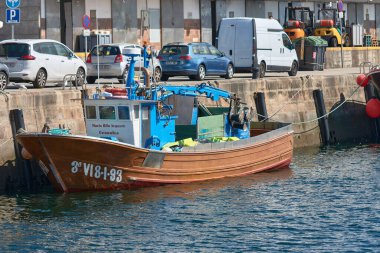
point(307, 80)
point(327, 114)
point(312, 120)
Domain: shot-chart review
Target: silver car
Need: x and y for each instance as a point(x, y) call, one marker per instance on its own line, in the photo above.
point(113, 64)
point(40, 61)
point(4, 76)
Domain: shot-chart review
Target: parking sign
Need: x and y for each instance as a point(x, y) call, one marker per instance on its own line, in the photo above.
point(13, 3)
point(13, 16)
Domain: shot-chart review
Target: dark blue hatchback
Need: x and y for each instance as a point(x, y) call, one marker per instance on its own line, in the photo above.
point(195, 60)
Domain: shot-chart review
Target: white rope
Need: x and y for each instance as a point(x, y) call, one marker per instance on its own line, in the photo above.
point(307, 80)
point(313, 120)
point(327, 114)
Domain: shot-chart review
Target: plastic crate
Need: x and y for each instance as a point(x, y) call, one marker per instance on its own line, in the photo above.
point(367, 40)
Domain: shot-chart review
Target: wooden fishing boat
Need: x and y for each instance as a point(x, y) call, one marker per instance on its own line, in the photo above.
point(131, 142)
point(83, 163)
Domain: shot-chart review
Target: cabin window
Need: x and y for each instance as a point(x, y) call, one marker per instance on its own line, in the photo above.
point(145, 113)
point(124, 112)
point(107, 112)
point(91, 112)
point(137, 111)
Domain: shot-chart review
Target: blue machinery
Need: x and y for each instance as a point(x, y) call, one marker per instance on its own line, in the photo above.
point(162, 123)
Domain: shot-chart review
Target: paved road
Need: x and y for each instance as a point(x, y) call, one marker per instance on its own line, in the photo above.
point(182, 80)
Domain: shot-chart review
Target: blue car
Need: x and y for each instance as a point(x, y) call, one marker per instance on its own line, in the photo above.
point(195, 60)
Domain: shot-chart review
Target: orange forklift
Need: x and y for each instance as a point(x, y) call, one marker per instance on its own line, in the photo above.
point(299, 22)
point(328, 27)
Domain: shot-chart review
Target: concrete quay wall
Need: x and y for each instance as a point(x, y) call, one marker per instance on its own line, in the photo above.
point(352, 56)
point(40, 107)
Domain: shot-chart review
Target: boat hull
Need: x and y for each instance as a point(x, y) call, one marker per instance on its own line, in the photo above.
point(80, 163)
point(375, 77)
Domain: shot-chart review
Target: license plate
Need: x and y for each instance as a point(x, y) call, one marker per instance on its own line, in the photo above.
point(11, 65)
point(171, 62)
point(104, 66)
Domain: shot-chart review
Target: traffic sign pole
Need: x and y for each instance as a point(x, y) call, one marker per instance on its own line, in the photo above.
point(13, 13)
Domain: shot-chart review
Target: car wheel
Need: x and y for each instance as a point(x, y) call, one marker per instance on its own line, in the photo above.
point(80, 77)
point(230, 71)
point(40, 80)
point(3, 80)
point(164, 77)
point(157, 74)
point(262, 69)
point(124, 76)
point(333, 42)
point(91, 79)
point(294, 69)
point(201, 74)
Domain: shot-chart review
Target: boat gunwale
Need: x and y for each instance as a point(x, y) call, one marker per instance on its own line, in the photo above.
point(235, 146)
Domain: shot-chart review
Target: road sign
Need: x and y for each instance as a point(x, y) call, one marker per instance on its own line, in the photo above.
point(340, 6)
point(13, 16)
point(86, 21)
point(13, 3)
point(86, 32)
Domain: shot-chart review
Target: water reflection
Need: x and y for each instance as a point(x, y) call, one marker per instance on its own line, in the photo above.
point(42, 206)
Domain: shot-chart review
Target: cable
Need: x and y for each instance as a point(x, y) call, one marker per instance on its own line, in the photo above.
point(306, 131)
point(327, 114)
point(307, 80)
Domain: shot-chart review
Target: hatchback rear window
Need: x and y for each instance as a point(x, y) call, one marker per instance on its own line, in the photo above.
point(106, 51)
point(14, 49)
point(175, 50)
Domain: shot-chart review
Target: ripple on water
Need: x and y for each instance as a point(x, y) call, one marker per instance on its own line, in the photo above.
point(327, 201)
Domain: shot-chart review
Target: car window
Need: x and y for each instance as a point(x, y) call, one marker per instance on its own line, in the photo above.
point(37, 47)
point(106, 51)
point(214, 50)
point(61, 50)
point(14, 49)
point(203, 49)
point(195, 49)
point(286, 41)
point(43, 48)
point(175, 50)
point(48, 48)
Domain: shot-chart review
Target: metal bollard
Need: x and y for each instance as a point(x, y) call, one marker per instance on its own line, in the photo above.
point(321, 111)
point(261, 107)
point(17, 122)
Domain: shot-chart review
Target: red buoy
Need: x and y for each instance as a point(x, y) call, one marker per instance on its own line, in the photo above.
point(373, 108)
point(362, 80)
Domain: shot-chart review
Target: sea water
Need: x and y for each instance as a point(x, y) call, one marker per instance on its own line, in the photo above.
point(326, 201)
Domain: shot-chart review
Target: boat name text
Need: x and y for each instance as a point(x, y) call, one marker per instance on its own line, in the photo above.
point(108, 125)
point(97, 171)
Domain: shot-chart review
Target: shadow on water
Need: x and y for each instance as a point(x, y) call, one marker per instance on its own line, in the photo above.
point(45, 205)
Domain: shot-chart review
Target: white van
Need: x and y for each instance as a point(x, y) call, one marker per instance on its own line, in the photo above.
point(257, 45)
